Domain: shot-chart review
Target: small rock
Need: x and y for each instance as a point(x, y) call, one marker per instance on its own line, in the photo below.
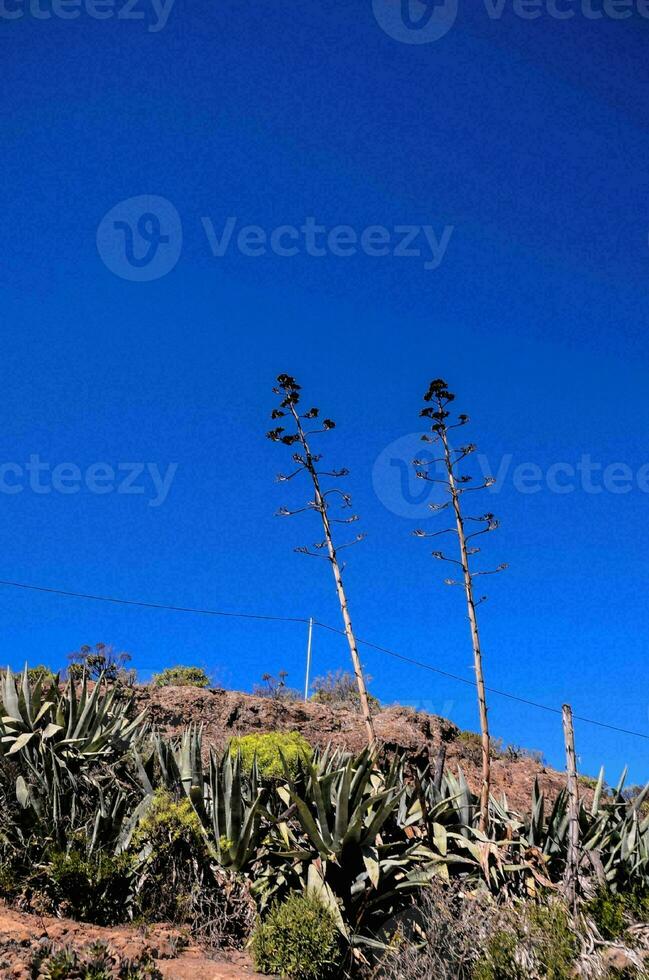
point(618, 958)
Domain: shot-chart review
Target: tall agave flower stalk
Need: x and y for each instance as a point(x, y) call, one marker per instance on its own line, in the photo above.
point(289, 392)
point(455, 485)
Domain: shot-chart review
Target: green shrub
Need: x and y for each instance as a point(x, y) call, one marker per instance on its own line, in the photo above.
point(499, 960)
point(608, 911)
point(7, 880)
point(554, 940)
point(339, 688)
point(40, 673)
point(180, 676)
point(172, 858)
point(168, 822)
point(267, 747)
point(90, 889)
point(541, 936)
point(298, 939)
point(472, 746)
point(615, 912)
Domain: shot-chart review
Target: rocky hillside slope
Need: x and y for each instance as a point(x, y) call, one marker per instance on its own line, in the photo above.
point(226, 713)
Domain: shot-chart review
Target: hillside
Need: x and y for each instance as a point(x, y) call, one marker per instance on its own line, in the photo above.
point(226, 713)
point(180, 891)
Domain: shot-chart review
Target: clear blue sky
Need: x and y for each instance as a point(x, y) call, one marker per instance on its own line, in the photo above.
point(529, 138)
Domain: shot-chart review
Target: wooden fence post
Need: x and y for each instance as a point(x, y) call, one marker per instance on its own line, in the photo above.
point(572, 862)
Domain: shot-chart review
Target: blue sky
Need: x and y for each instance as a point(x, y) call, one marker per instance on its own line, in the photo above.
point(525, 143)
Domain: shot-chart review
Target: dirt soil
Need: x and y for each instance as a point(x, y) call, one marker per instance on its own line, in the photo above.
point(22, 935)
point(223, 714)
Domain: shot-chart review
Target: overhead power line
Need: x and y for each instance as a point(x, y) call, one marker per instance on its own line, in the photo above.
point(152, 605)
point(492, 690)
point(332, 629)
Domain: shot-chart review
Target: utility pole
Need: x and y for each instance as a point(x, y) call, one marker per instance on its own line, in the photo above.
point(572, 862)
point(308, 659)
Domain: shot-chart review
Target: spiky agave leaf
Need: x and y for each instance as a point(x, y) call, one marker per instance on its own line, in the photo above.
point(73, 727)
point(229, 807)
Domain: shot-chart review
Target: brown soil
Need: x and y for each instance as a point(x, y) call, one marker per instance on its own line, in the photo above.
point(225, 713)
point(22, 935)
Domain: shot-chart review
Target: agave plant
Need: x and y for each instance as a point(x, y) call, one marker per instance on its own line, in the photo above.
point(341, 838)
point(613, 831)
point(615, 835)
point(64, 770)
point(526, 854)
point(74, 727)
point(229, 806)
point(347, 801)
point(444, 815)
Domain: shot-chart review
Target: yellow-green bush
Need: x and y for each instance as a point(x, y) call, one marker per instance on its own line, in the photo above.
point(298, 939)
point(180, 676)
point(268, 749)
point(167, 822)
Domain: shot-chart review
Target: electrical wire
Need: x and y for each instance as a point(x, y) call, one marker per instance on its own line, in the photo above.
point(492, 690)
point(152, 605)
point(332, 629)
